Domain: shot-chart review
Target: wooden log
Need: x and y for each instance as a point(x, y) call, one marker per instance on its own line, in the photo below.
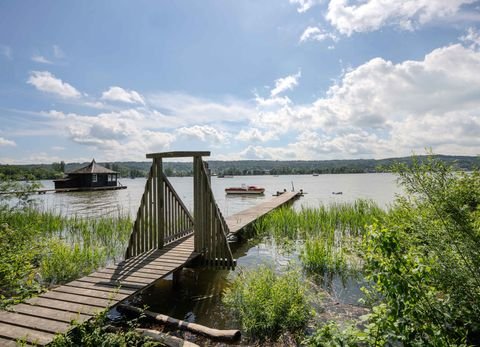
point(180, 324)
point(171, 341)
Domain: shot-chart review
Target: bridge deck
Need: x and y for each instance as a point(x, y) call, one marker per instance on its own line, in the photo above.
point(38, 320)
point(244, 218)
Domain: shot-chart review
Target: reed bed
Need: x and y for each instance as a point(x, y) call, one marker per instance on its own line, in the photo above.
point(41, 248)
point(328, 235)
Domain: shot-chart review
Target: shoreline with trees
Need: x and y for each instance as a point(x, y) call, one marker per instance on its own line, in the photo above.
point(236, 168)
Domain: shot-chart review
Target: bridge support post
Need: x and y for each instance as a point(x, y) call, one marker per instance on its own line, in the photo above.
point(158, 169)
point(176, 276)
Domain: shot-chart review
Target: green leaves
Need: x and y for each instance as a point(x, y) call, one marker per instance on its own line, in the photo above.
point(268, 303)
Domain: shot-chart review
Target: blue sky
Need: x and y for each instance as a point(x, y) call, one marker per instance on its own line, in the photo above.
point(270, 79)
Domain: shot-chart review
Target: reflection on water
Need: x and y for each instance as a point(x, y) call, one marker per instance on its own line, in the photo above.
point(198, 297)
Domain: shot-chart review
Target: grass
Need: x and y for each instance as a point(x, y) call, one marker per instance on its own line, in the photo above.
point(328, 234)
point(39, 249)
point(267, 303)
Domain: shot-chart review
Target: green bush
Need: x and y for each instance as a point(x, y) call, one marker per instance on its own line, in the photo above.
point(94, 333)
point(267, 303)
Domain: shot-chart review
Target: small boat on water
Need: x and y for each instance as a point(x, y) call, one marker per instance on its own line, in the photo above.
point(244, 189)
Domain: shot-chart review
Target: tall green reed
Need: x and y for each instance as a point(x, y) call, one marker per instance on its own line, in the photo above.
point(328, 234)
point(40, 248)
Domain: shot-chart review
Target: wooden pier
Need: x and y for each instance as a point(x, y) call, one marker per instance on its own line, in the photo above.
point(246, 217)
point(165, 238)
point(38, 319)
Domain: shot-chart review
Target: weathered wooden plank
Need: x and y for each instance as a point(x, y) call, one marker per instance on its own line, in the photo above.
point(64, 305)
point(7, 343)
point(59, 315)
point(156, 270)
point(114, 284)
point(101, 287)
point(75, 298)
point(91, 293)
point(11, 331)
point(119, 279)
point(135, 273)
point(34, 322)
point(178, 154)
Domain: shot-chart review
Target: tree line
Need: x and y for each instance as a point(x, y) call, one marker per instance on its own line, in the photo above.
point(236, 168)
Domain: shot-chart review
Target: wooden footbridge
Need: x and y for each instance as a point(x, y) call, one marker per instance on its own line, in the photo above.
point(165, 238)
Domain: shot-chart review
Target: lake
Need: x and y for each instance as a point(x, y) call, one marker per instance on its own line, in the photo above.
point(380, 187)
point(199, 297)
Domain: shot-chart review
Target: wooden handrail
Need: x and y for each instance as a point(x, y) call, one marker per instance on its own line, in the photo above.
point(163, 217)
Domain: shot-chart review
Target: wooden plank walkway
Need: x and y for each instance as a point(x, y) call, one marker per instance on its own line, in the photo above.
point(38, 320)
point(244, 218)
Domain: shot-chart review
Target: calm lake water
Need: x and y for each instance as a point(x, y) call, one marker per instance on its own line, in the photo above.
point(198, 298)
point(379, 187)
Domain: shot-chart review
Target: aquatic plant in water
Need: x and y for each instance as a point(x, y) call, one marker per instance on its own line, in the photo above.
point(268, 303)
point(39, 248)
point(328, 235)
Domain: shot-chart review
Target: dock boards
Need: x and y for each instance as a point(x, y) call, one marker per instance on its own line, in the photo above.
point(244, 218)
point(38, 319)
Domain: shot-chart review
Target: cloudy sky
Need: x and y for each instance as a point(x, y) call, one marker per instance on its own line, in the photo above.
point(245, 79)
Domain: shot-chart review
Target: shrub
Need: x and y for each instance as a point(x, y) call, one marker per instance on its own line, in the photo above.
point(267, 303)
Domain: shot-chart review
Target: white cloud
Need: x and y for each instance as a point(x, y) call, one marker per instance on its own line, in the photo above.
point(352, 16)
point(285, 83)
point(41, 59)
point(382, 109)
point(46, 82)
point(472, 37)
point(256, 135)
point(120, 135)
point(58, 52)
point(204, 133)
point(120, 94)
point(5, 142)
point(304, 5)
point(317, 34)
point(184, 110)
point(6, 51)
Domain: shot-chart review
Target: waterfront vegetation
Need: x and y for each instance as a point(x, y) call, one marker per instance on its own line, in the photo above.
point(269, 303)
point(95, 333)
point(419, 261)
point(39, 249)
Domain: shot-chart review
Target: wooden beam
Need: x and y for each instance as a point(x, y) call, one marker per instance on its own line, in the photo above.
point(179, 154)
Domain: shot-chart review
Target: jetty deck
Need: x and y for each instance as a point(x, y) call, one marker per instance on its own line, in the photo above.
point(246, 217)
point(165, 238)
point(38, 319)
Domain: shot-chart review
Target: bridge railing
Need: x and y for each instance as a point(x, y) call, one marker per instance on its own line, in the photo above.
point(210, 227)
point(163, 218)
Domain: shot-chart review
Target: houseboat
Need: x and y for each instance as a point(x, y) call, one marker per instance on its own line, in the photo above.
point(90, 177)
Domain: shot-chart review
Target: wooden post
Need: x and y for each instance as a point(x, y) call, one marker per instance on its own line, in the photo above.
point(197, 212)
point(160, 202)
point(176, 275)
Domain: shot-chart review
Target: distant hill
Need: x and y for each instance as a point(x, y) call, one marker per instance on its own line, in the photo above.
point(241, 167)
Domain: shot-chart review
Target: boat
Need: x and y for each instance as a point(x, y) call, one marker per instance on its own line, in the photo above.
point(315, 174)
point(244, 189)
